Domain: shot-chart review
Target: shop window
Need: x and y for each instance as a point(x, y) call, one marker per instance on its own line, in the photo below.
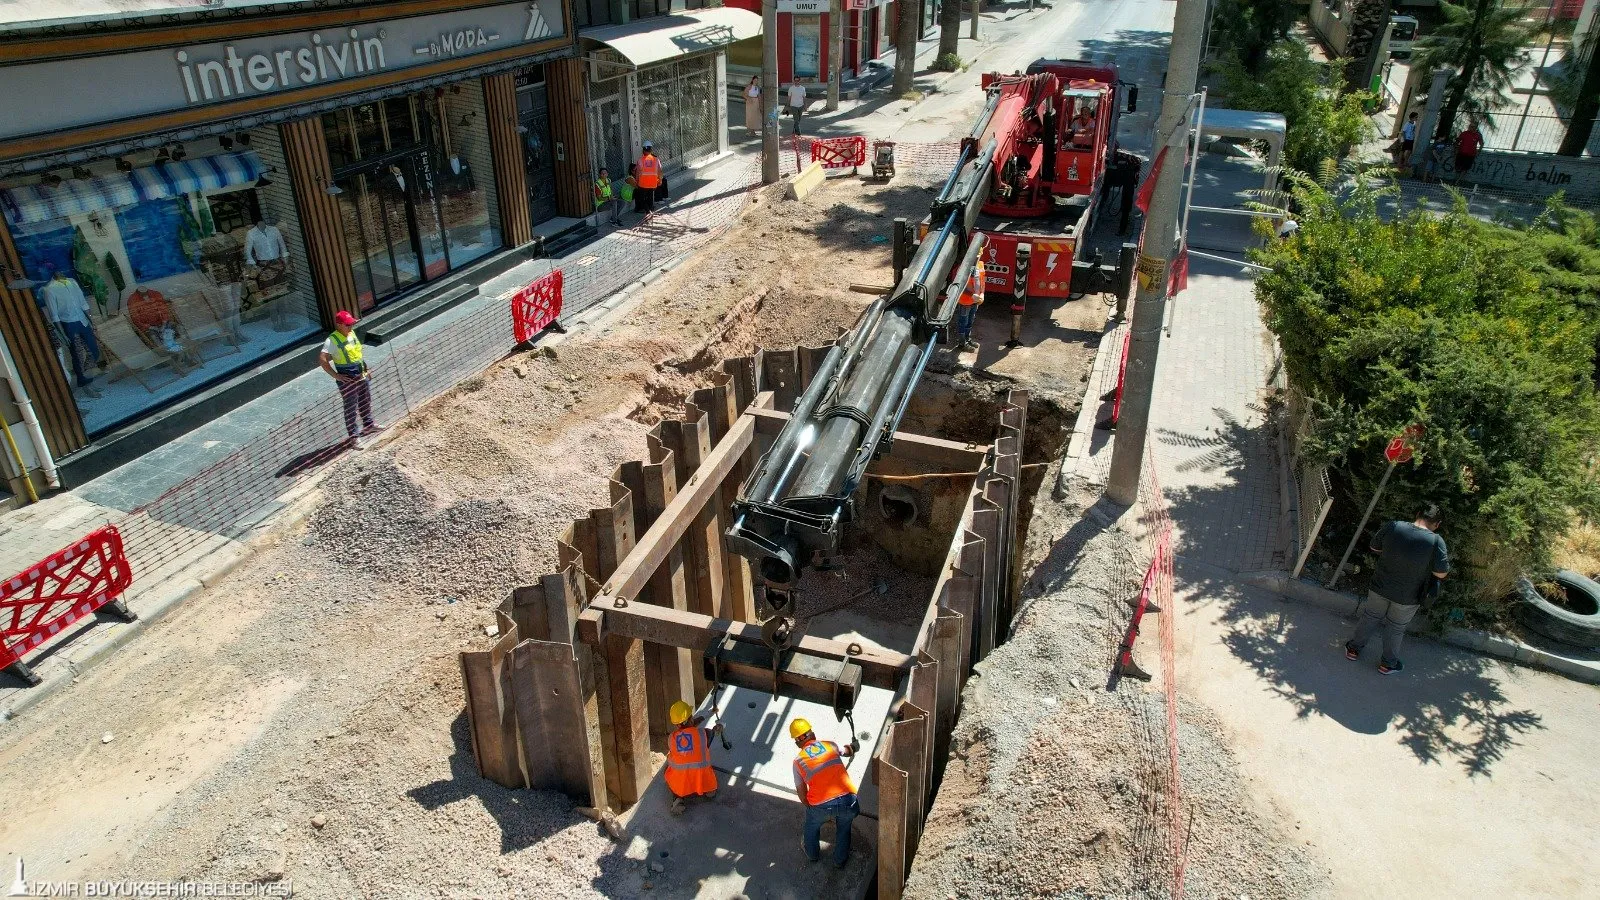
point(157, 277)
point(677, 108)
point(807, 48)
point(645, 9)
point(591, 13)
point(424, 203)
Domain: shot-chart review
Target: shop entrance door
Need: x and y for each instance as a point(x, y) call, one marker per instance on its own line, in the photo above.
point(608, 137)
point(390, 211)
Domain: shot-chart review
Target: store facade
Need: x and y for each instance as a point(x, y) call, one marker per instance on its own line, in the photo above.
point(230, 185)
point(804, 41)
point(662, 78)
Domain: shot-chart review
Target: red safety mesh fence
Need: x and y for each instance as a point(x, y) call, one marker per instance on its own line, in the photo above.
point(73, 582)
point(1159, 585)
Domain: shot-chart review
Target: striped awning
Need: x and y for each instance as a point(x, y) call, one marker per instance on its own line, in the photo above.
point(31, 204)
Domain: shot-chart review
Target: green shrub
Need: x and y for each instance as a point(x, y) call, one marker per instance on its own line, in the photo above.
point(1483, 334)
point(948, 62)
point(1323, 123)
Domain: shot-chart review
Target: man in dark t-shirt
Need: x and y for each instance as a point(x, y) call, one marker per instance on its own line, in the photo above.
point(1412, 558)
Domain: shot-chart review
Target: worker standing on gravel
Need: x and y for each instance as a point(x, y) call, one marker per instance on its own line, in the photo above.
point(1412, 560)
point(967, 308)
point(341, 357)
point(824, 786)
point(689, 772)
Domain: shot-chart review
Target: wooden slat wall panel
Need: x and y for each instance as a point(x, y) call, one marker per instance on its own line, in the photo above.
point(306, 152)
point(510, 179)
point(46, 383)
point(569, 128)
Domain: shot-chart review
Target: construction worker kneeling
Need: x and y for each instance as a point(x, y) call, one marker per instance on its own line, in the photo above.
point(824, 786)
point(689, 772)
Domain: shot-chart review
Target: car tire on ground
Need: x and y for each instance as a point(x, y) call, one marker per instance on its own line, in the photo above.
point(1577, 624)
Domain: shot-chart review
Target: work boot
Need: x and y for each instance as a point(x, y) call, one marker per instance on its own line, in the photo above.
point(969, 345)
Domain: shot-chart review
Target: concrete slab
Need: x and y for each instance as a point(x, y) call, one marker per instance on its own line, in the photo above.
point(745, 842)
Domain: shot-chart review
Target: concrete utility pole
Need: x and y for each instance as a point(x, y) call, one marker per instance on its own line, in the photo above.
point(835, 52)
point(1160, 231)
point(769, 91)
point(1422, 145)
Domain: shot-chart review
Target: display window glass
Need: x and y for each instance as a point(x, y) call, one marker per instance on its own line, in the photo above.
point(416, 187)
point(160, 272)
point(807, 48)
point(677, 108)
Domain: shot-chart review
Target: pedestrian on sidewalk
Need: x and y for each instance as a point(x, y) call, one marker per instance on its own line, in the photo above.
point(752, 105)
point(647, 179)
point(1467, 147)
point(797, 104)
point(823, 783)
point(341, 357)
point(605, 198)
point(1412, 561)
point(1408, 140)
point(688, 772)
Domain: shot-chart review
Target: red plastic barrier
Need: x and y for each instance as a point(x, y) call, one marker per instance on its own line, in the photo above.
point(1122, 377)
point(63, 588)
point(535, 307)
point(837, 153)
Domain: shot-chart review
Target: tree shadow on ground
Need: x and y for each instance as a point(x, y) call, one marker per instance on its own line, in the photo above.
point(1219, 522)
point(1446, 707)
point(525, 817)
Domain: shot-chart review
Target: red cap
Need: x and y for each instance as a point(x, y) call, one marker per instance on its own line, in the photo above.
point(344, 317)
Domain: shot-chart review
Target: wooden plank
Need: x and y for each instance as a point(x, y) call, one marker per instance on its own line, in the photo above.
point(946, 648)
point(490, 713)
point(986, 522)
point(575, 170)
point(669, 671)
point(893, 786)
point(782, 377)
point(305, 152)
point(552, 719)
point(882, 668)
point(911, 751)
point(633, 572)
point(952, 456)
point(505, 148)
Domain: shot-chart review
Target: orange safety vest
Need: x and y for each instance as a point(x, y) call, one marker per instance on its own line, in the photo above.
point(649, 172)
point(689, 769)
point(973, 292)
point(822, 769)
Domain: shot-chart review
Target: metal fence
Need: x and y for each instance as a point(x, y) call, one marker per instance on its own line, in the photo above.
point(1310, 486)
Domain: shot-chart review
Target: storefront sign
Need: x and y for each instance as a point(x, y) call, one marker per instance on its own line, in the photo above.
point(864, 4)
point(48, 96)
point(803, 7)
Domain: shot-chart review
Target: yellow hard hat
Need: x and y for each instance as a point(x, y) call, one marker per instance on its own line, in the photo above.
point(798, 727)
point(679, 713)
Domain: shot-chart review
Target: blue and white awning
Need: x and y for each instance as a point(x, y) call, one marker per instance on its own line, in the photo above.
point(32, 204)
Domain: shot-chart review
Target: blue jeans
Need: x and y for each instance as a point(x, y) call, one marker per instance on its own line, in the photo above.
point(80, 337)
point(965, 316)
point(843, 810)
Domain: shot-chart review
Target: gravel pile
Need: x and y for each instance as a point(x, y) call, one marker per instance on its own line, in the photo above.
point(1056, 787)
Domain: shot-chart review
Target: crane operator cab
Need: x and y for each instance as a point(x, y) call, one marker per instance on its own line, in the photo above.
point(1084, 121)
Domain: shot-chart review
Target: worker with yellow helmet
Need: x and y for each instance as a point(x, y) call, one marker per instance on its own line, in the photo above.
point(689, 772)
point(823, 783)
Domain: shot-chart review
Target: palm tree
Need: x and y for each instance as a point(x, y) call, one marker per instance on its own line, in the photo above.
point(1251, 27)
point(1484, 42)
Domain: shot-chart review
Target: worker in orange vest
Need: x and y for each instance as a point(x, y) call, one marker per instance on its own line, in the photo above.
point(689, 772)
point(967, 309)
point(644, 196)
point(823, 783)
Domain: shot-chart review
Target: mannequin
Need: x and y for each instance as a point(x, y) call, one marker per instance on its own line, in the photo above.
point(65, 305)
point(266, 256)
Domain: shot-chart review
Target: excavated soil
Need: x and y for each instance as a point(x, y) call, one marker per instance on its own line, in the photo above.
point(302, 720)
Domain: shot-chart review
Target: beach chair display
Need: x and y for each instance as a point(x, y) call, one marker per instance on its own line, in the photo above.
point(200, 321)
point(123, 345)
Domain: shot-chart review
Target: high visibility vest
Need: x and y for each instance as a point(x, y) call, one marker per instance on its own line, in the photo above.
point(346, 350)
point(689, 769)
point(602, 189)
point(822, 769)
point(649, 172)
point(973, 292)
point(626, 190)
